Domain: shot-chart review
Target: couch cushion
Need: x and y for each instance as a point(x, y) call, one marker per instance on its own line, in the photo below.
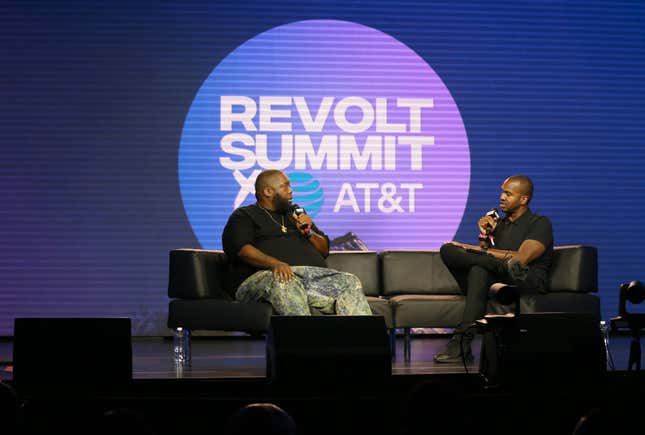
point(446, 311)
point(574, 269)
point(571, 302)
point(416, 272)
point(427, 311)
point(363, 264)
point(219, 315)
point(381, 307)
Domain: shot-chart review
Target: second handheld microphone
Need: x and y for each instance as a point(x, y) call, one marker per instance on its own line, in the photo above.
point(297, 211)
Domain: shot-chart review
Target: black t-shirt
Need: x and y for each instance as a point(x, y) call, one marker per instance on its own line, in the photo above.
point(261, 228)
point(510, 235)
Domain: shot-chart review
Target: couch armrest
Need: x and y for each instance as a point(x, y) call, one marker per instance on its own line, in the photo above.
point(198, 274)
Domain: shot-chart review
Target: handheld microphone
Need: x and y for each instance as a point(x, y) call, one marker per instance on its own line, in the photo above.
point(487, 240)
point(495, 215)
point(297, 210)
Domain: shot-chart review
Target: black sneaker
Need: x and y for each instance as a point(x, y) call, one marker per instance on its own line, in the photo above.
point(452, 353)
point(516, 270)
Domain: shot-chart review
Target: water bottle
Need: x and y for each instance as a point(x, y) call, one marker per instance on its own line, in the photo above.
point(181, 345)
point(604, 330)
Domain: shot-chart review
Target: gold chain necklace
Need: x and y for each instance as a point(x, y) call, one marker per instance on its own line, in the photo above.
point(282, 227)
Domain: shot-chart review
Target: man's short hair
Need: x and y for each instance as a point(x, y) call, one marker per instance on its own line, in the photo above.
point(525, 184)
point(263, 180)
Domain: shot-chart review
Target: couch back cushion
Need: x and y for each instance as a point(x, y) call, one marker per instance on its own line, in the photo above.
point(198, 274)
point(574, 269)
point(416, 272)
point(364, 264)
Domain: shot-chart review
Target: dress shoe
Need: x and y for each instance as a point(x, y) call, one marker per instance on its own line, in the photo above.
point(452, 353)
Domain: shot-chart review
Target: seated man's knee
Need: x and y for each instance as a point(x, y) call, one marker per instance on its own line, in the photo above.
point(352, 280)
point(448, 253)
point(445, 248)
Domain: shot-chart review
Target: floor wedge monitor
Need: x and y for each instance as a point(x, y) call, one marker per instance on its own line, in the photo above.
point(319, 351)
point(58, 355)
point(543, 349)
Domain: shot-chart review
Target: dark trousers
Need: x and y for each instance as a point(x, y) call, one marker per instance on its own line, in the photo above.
point(475, 274)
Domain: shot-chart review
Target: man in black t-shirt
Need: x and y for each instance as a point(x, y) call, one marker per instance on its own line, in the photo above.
point(515, 250)
point(279, 256)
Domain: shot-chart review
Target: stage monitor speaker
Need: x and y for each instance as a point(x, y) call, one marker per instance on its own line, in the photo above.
point(315, 352)
point(543, 349)
point(59, 356)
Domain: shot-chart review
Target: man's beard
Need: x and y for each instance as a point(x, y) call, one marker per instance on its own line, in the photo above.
point(281, 205)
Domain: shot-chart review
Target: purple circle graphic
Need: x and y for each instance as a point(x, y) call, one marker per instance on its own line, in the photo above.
point(362, 117)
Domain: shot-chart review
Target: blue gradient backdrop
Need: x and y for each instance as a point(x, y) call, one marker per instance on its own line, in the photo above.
point(94, 95)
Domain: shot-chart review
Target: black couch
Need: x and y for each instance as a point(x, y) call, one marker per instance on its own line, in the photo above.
point(408, 288)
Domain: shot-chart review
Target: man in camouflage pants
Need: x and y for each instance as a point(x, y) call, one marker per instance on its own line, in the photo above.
point(279, 257)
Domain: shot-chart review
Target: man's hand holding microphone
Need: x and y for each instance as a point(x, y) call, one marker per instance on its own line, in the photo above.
point(303, 221)
point(487, 225)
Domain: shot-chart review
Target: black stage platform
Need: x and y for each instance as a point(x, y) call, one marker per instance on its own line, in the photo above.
point(227, 372)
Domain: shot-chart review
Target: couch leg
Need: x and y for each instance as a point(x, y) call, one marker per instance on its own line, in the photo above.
point(392, 337)
point(181, 345)
point(406, 344)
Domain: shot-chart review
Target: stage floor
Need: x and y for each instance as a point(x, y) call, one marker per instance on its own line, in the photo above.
point(244, 357)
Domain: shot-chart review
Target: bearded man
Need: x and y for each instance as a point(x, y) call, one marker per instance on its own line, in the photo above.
point(278, 256)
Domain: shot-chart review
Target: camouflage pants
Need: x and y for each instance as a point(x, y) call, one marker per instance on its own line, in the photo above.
point(328, 290)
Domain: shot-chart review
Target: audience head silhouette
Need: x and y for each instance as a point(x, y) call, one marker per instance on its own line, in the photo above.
point(261, 418)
